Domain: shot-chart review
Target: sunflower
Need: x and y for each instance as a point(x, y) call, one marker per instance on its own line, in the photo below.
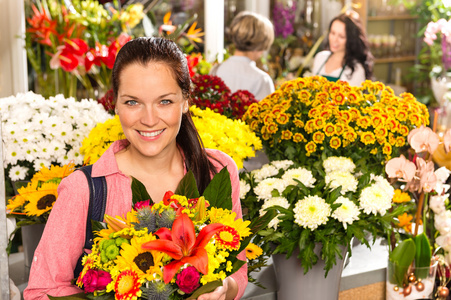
point(127, 286)
point(41, 200)
point(54, 173)
point(253, 251)
point(144, 263)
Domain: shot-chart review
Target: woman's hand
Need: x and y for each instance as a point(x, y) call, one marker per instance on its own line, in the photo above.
point(227, 291)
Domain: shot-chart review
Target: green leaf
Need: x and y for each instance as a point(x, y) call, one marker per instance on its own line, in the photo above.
point(219, 191)
point(209, 287)
point(71, 297)
point(187, 186)
point(399, 261)
point(423, 255)
point(139, 192)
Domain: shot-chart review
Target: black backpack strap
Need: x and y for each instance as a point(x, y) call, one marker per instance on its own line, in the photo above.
point(96, 209)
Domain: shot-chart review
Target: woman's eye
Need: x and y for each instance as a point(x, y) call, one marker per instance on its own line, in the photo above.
point(131, 102)
point(166, 102)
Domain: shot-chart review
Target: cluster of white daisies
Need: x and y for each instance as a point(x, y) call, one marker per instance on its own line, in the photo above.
point(313, 210)
point(39, 132)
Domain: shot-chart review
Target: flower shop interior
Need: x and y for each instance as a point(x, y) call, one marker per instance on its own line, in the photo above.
point(354, 177)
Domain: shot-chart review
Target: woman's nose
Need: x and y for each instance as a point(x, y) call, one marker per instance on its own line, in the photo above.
point(149, 116)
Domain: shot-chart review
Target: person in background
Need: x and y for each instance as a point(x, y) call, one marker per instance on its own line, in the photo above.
point(348, 57)
point(151, 85)
point(251, 34)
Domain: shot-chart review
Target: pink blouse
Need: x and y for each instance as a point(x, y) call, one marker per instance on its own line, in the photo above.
point(63, 239)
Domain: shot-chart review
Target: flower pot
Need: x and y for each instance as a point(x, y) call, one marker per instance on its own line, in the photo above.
point(292, 283)
point(31, 235)
point(420, 286)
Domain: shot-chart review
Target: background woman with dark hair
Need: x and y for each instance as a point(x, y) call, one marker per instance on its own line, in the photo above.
point(348, 57)
point(151, 85)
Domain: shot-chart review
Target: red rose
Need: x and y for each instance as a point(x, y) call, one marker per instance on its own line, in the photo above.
point(188, 280)
point(95, 280)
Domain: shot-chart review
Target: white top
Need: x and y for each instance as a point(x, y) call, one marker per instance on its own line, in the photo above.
point(355, 79)
point(241, 73)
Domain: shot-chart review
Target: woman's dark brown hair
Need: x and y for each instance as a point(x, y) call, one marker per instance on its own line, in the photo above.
point(145, 50)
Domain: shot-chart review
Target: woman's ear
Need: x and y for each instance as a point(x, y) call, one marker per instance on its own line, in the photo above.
point(185, 107)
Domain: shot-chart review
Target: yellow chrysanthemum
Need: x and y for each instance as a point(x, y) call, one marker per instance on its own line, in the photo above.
point(41, 200)
point(227, 217)
point(146, 264)
point(253, 251)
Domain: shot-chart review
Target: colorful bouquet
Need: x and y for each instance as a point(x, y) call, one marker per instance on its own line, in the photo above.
point(33, 202)
point(177, 248)
point(422, 230)
point(38, 132)
point(76, 44)
point(211, 92)
point(233, 137)
point(328, 203)
point(309, 119)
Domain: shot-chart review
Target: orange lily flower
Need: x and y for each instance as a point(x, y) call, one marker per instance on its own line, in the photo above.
point(183, 246)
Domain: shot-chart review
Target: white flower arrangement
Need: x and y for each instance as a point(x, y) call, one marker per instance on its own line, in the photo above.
point(39, 132)
point(329, 204)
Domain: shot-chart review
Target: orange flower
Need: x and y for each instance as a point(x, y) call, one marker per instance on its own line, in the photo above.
point(405, 222)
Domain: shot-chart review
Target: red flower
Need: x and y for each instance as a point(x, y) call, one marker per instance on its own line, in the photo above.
point(95, 280)
point(188, 280)
point(142, 204)
point(41, 26)
point(183, 246)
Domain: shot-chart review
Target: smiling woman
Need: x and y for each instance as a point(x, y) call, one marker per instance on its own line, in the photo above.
point(151, 86)
point(348, 57)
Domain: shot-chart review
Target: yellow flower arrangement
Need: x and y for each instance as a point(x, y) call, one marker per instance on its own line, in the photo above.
point(33, 203)
point(233, 137)
point(308, 118)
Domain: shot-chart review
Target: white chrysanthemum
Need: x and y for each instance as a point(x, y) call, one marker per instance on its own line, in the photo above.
point(347, 213)
point(338, 163)
point(40, 162)
point(311, 212)
point(375, 199)
point(280, 201)
point(264, 189)
point(265, 172)
point(346, 180)
point(30, 123)
point(303, 175)
point(18, 173)
point(282, 164)
point(244, 188)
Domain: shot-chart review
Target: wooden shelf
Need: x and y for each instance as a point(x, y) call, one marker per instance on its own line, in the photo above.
point(391, 17)
point(384, 60)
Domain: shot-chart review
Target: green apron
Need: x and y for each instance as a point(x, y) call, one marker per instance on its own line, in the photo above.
point(331, 78)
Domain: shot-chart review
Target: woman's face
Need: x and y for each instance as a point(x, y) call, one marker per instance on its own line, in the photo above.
point(337, 37)
point(150, 105)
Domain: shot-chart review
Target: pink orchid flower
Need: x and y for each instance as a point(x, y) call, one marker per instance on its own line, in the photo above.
point(401, 168)
point(428, 181)
point(447, 140)
point(423, 139)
